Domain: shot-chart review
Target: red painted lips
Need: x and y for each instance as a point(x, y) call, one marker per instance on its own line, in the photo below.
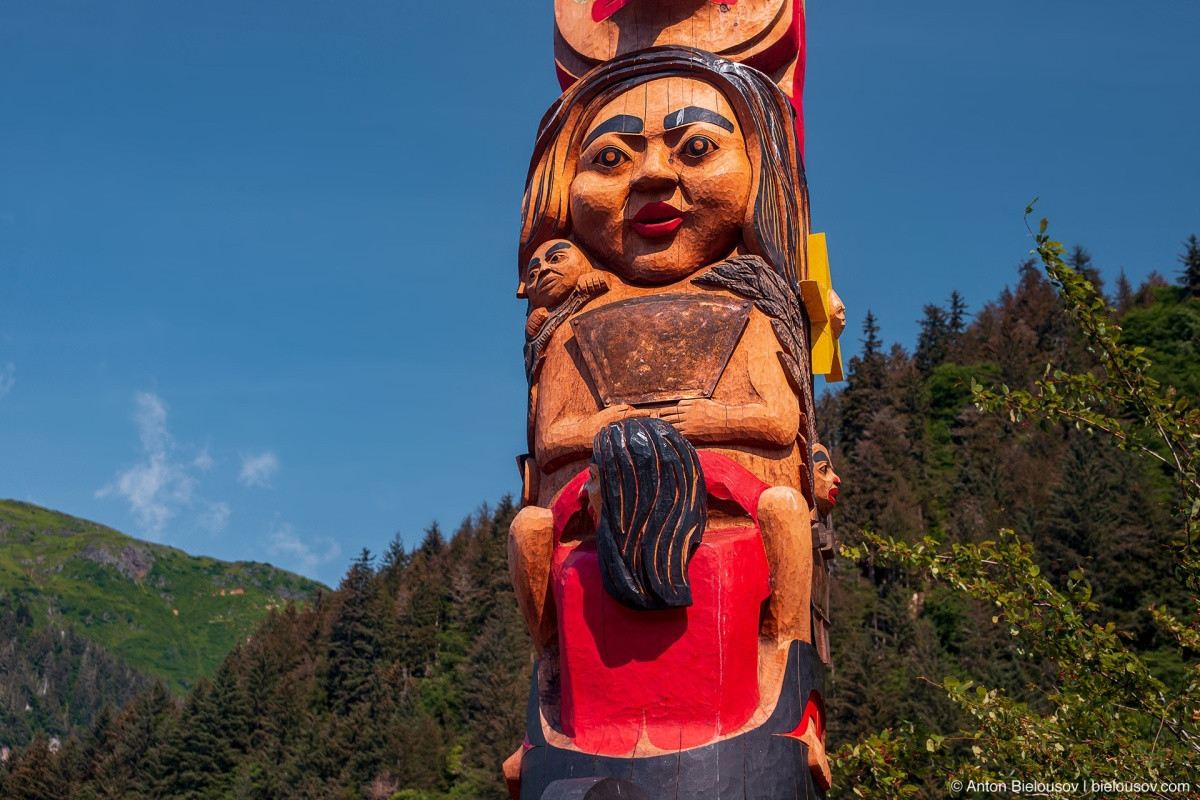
point(603, 9)
point(656, 220)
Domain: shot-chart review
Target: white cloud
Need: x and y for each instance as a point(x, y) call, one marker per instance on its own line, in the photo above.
point(214, 517)
point(258, 469)
point(8, 376)
point(151, 417)
point(286, 544)
point(203, 462)
point(161, 484)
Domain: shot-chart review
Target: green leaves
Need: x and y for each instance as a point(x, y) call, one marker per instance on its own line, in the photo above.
point(1100, 713)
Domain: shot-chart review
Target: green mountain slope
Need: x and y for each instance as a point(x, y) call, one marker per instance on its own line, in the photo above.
point(165, 612)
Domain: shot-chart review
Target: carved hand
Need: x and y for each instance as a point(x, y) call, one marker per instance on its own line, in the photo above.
point(614, 414)
point(699, 420)
point(709, 422)
point(536, 320)
point(593, 284)
point(573, 437)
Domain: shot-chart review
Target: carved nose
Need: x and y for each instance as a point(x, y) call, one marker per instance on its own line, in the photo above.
point(655, 171)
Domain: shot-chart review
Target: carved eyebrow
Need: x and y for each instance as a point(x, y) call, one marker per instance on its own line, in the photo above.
point(621, 123)
point(559, 246)
point(533, 262)
point(690, 114)
point(820, 457)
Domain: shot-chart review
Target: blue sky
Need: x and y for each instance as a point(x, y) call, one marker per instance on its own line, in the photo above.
point(257, 260)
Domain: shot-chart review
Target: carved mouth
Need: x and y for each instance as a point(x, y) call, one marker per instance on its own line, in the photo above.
point(603, 9)
point(833, 493)
point(656, 220)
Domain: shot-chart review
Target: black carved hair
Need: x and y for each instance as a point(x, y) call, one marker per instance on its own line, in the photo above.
point(776, 224)
point(654, 508)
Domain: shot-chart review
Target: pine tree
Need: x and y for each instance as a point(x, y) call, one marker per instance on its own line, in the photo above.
point(355, 644)
point(198, 757)
point(934, 339)
point(1124, 298)
point(1189, 276)
point(36, 773)
point(957, 318)
point(135, 757)
point(864, 393)
point(434, 542)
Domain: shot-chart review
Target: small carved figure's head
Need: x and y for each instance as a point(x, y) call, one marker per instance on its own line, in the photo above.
point(652, 508)
point(662, 162)
point(553, 271)
point(826, 479)
point(837, 314)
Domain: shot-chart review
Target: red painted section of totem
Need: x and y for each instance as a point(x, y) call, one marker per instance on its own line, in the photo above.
point(676, 678)
point(726, 479)
point(796, 95)
point(814, 715)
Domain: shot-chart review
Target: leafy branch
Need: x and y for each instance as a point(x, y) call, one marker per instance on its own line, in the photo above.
point(1104, 714)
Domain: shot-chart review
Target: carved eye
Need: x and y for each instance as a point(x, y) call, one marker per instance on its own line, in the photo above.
point(610, 157)
point(698, 146)
point(554, 258)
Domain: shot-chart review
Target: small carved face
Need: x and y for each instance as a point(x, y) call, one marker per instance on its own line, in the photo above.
point(663, 181)
point(553, 272)
point(827, 480)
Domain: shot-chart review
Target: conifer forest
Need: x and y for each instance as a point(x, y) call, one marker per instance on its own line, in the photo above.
point(1015, 591)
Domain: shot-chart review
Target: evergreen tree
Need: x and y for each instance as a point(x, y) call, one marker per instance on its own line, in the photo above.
point(355, 639)
point(1048, 692)
point(934, 339)
point(1124, 298)
point(957, 318)
point(395, 558)
point(434, 542)
point(1148, 292)
point(36, 774)
point(496, 682)
point(1189, 276)
point(864, 392)
point(198, 757)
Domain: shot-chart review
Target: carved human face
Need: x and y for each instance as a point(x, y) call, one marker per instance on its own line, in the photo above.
point(663, 181)
point(553, 271)
point(826, 479)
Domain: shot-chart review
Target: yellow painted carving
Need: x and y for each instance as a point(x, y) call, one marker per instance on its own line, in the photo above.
point(816, 293)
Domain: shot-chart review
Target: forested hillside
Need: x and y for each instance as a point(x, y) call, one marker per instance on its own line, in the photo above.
point(412, 675)
point(917, 459)
point(410, 680)
point(164, 612)
point(90, 616)
point(53, 680)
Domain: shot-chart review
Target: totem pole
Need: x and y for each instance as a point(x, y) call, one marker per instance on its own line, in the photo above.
point(671, 553)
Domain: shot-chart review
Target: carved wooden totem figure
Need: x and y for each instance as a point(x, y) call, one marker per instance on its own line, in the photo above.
point(670, 557)
point(765, 34)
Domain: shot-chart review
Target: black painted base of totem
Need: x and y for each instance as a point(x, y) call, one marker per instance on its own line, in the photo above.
point(761, 764)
